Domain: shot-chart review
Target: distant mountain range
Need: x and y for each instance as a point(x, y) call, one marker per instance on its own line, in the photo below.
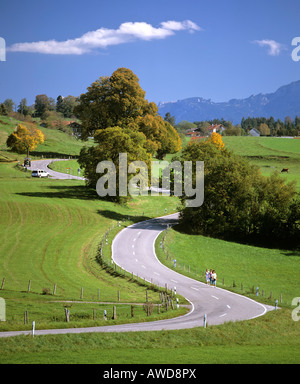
point(284, 102)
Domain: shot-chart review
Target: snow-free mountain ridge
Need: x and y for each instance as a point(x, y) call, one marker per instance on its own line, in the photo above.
point(283, 102)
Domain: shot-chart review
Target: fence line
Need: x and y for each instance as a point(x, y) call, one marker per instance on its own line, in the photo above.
point(201, 277)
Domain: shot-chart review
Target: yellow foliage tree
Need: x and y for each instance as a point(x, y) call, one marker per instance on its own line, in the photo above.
point(216, 139)
point(25, 139)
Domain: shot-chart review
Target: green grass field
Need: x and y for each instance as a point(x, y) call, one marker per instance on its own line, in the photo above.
point(243, 268)
point(50, 231)
point(49, 234)
point(271, 339)
point(270, 154)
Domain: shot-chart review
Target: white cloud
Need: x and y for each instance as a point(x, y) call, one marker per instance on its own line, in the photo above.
point(181, 25)
point(103, 37)
point(274, 48)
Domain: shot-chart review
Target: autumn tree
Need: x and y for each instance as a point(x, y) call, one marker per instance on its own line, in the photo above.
point(216, 140)
point(25, 139)
point(162, 138)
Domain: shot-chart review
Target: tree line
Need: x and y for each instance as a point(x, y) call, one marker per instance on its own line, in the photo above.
point(265, 126)
point(42, 104)
point(50, 112)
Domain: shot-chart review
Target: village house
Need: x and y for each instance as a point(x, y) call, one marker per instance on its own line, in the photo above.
point(218, 128)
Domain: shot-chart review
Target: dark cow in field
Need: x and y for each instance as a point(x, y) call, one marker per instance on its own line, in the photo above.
point(285, 170)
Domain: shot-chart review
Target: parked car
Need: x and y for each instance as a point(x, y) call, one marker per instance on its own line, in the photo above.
point(39, 173)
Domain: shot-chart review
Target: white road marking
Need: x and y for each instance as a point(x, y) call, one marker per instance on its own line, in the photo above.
point(133, 253)
point(156, 273)
point(228, 306)
point(136, 260)
point(224, 314)
point(139, 233)
point(143, 267)
point(134, 239)
point(196, 289)
point(174, 281)
point(215, 297)
point(132, 245)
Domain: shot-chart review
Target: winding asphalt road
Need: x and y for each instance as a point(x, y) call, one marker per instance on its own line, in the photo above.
point(133, 250)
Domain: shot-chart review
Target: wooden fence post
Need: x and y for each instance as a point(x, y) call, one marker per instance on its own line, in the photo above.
point(67, 313)
point(3, 281)
point(26, 317)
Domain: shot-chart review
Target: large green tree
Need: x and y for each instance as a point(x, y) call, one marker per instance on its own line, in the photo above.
point(112, 142)
point(42, 104)
point(115, 112)
point(111, 101)
point(120, 101)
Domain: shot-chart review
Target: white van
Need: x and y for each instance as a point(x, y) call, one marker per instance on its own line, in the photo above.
point(39, 173)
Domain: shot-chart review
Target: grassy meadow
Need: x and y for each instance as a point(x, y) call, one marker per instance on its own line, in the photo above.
point(49, 235)
point(270, 154)
point(50, 232)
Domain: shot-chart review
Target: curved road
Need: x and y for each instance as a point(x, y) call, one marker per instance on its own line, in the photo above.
point(133, 250)
point(43, 165)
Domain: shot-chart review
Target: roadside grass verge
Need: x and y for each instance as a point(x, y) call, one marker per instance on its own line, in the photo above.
point(271, 339)
point(239, 267)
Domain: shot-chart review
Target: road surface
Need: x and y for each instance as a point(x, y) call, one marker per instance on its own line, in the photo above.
point(133, 250)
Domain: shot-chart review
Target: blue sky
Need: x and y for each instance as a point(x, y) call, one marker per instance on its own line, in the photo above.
point(217, 49)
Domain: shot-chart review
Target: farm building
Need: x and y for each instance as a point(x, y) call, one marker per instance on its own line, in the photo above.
point(254, 132)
